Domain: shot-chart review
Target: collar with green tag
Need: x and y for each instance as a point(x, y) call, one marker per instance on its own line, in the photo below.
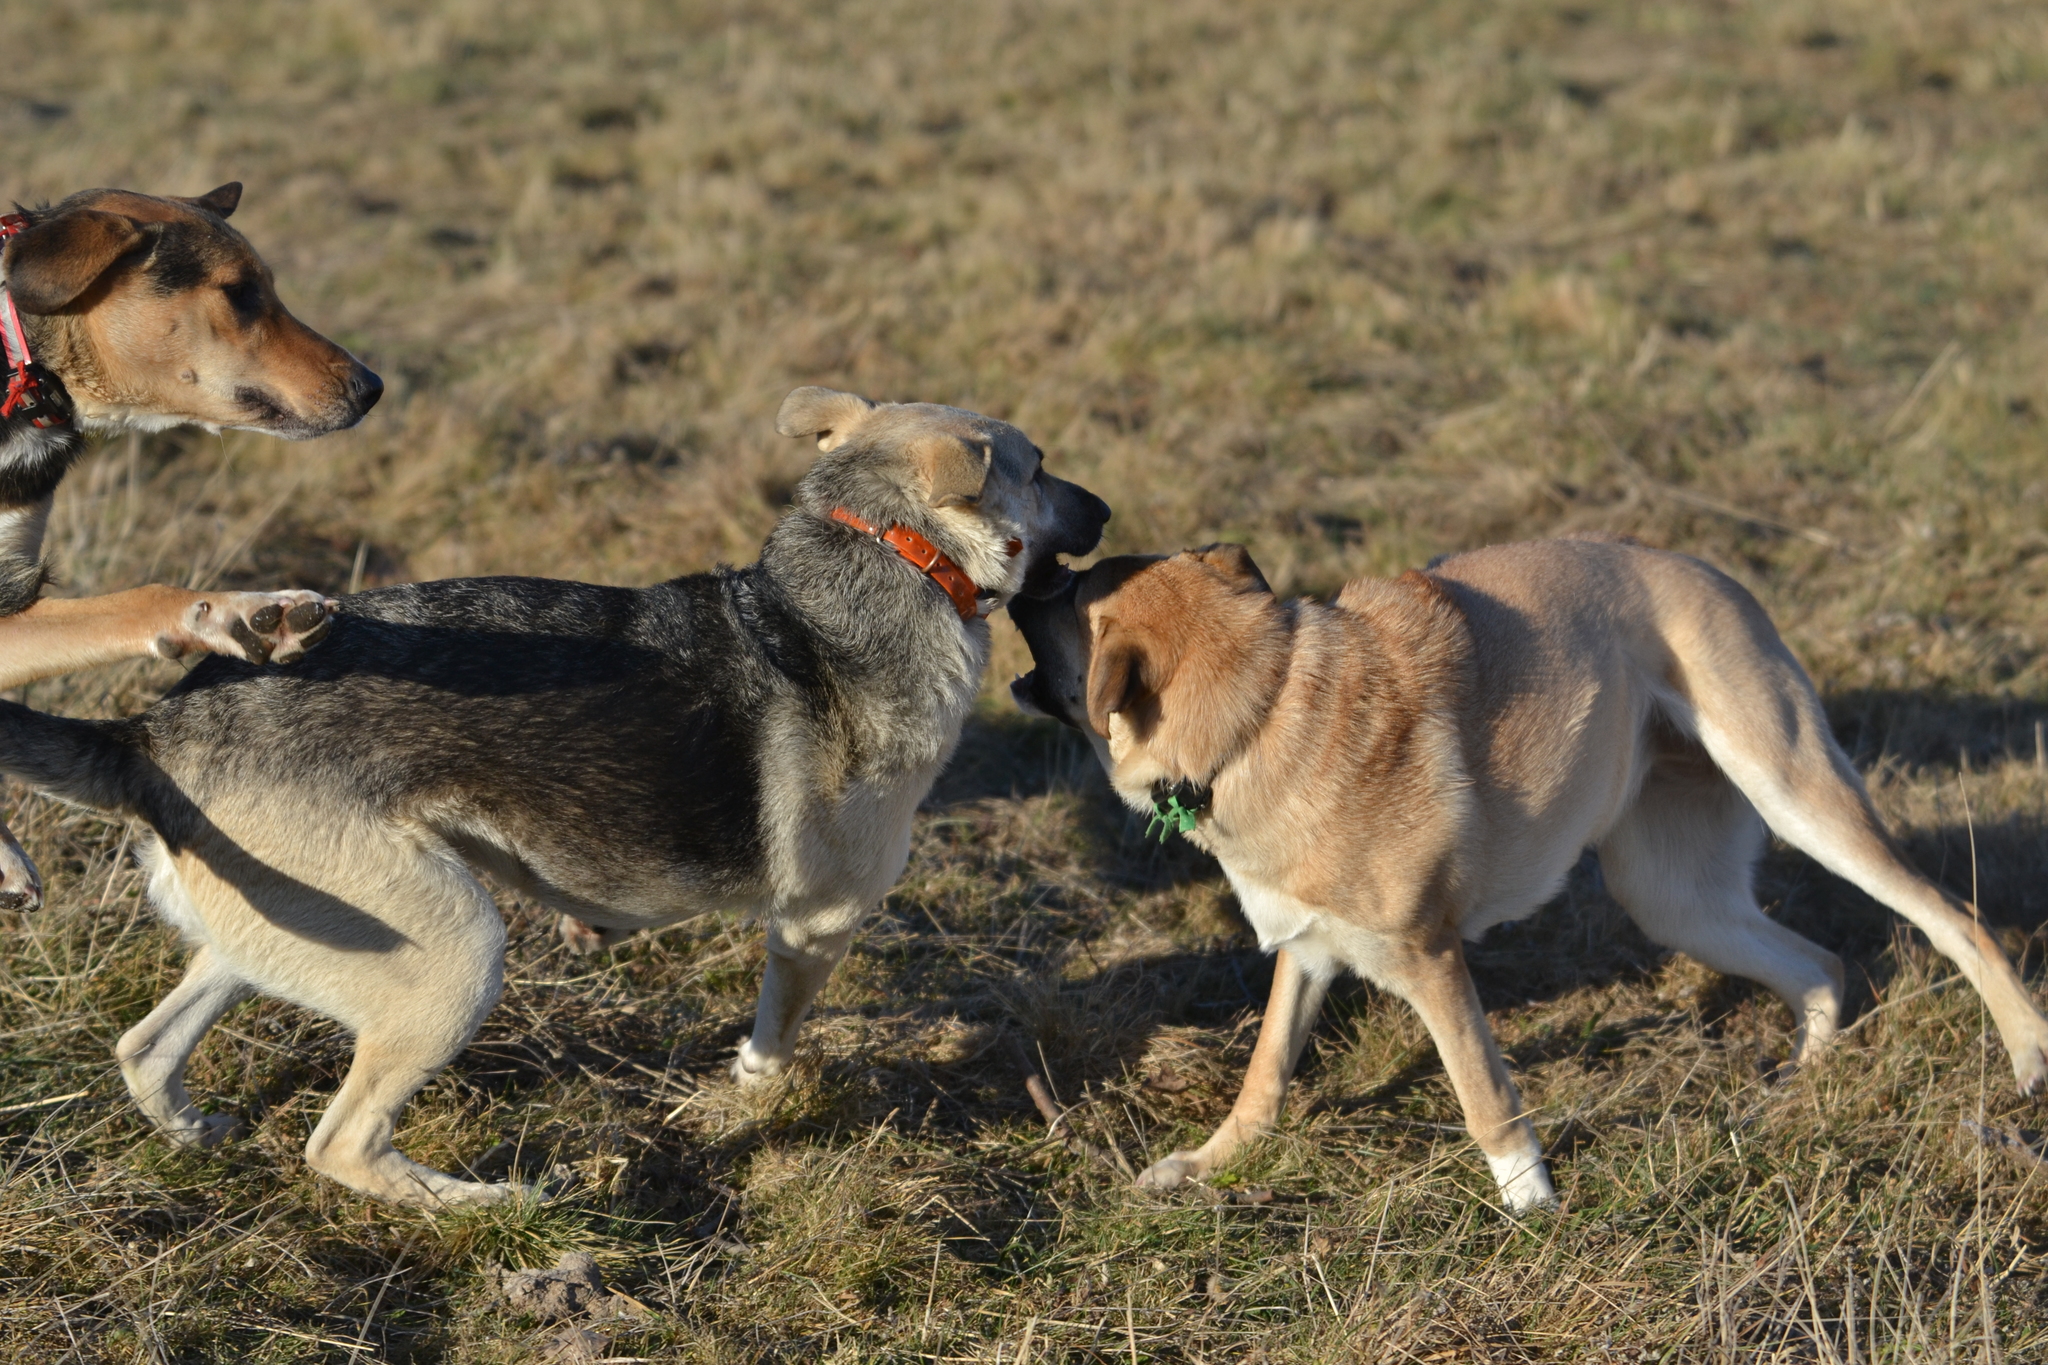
point(1175, 806)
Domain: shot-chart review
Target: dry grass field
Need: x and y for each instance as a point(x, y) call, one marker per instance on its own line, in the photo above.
point(1353, 284)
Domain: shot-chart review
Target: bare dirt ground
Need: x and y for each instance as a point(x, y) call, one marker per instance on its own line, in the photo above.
point(1355, 285)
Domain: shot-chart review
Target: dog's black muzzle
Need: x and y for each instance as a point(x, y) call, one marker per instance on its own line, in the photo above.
point(1077, 530)
point(1049, 626)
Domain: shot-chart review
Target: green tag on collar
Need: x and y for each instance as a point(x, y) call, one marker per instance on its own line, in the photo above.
point(1175, 806)
point(1170, 817)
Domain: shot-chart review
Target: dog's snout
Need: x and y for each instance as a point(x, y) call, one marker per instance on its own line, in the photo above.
point(1101, 509)
point(364, 388)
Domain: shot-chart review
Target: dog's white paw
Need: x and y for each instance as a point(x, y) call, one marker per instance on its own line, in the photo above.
point(208, 1133)
point(257, 627)
point(477, 1194)
point(1172, 1172)
point(2030, 1061)
point(751, 1068)
point(1524, 1183)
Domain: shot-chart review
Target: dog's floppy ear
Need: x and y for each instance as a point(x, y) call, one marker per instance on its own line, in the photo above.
point(220, 202)
point(55, 261)
point(1233, 562)
point(826, 414)
point(953, 471)
point(1120, 673)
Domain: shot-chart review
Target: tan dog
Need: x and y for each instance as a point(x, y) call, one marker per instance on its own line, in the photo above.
point(143, 313)
point(1397, 771)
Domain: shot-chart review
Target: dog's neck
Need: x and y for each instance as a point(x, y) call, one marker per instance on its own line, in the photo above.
point(871, 582)
point(33, 461)
point(859, 604)
point(35, 451)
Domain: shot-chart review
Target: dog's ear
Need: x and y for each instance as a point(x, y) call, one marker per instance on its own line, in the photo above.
point(1121, 673)
point(953, 471)
point(1233, 562)
point(219, 202)
point(826, 414)
point(52, 263)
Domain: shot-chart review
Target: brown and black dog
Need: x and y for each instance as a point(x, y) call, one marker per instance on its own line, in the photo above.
point(141, 313)
point(1390, 774)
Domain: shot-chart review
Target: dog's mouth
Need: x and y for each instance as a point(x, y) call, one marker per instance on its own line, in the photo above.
point(1046, 578)
point(339, 409)
point(1035, 698)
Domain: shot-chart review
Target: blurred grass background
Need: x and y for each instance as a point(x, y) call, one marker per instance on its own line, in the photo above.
point(1353, 284)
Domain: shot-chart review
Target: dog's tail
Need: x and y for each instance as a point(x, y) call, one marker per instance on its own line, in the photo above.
point(99, 763)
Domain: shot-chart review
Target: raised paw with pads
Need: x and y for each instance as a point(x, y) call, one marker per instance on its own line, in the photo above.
point(258, 627)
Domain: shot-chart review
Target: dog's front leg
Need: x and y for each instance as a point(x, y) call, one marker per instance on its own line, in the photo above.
point(1291, 1011)
point(64, 634)
point(799, 961)
point(1433, 978)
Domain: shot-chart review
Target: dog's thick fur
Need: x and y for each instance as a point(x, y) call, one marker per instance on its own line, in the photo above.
point(151, 313)
point(753, 740)
point(1401, 769)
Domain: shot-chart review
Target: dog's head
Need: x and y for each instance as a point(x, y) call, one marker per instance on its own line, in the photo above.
point(1168, 664)
point(975, 487)
point(154, 312)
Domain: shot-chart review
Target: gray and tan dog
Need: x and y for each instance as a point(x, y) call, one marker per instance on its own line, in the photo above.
point(1387, 775)
point(753, 740)
point(140, 313)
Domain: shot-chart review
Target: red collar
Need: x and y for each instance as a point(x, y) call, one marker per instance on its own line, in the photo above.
point(926, 558)
point(31, 389)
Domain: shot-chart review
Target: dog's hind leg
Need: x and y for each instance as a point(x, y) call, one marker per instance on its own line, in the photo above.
point(1681, 862)
point(353, 1141)
point(154, 1052)
point(378, 930)
point(800, 958)
point(1756, 712)
point(424, 1009)
point(1291, 1009)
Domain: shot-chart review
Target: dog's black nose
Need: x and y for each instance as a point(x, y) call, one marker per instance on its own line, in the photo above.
point(1101, 508)
point(365, 388)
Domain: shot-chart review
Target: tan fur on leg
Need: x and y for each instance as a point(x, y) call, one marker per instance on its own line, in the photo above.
point(1291, 1010)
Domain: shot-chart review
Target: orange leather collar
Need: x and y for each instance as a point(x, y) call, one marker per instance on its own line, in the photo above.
point(926, 558)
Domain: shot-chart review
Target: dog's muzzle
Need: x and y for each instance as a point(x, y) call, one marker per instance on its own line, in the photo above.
point(1038, 620)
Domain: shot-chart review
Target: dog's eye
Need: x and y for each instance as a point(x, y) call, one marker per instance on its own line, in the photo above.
point(245, 297)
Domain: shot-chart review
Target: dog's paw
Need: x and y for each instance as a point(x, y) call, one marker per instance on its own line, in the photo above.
point(582, 939)
point(257, 627)
point(2030, 1062)
point(21, 885)
point(751, 1069)
point(1524, 1182)
point(472, 1194)
point(208, 1132)
point(1172, 1172)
